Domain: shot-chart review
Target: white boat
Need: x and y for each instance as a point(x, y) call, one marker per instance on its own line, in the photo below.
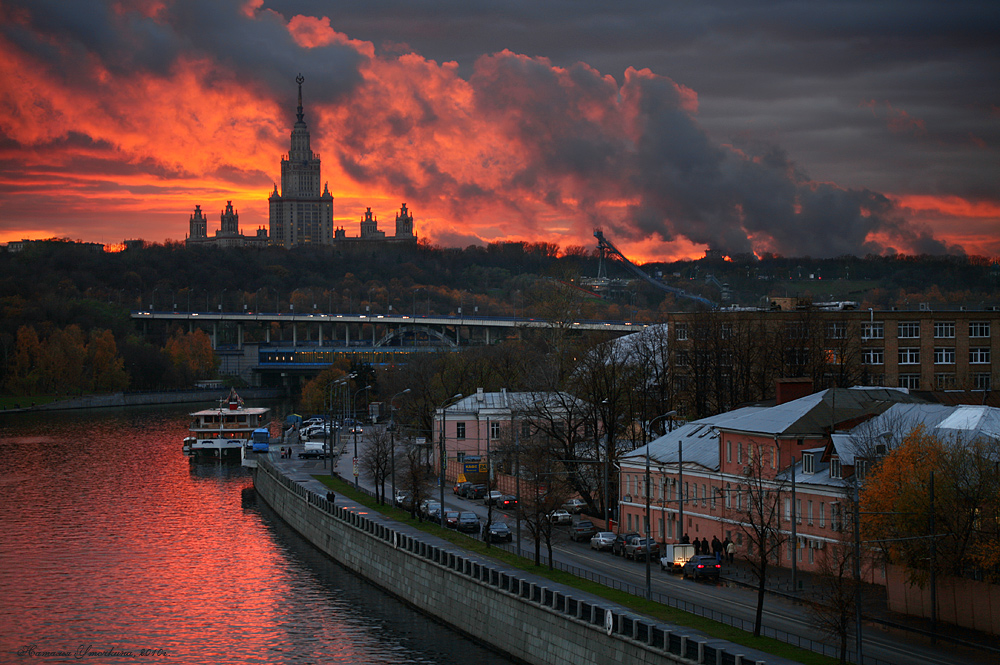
point(226, 429)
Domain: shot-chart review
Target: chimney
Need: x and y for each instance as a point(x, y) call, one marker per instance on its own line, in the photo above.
point(479, 395)
point(788, 390)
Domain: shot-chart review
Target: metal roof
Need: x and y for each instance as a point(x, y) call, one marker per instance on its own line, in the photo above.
point(696, 442)
point(817, 413)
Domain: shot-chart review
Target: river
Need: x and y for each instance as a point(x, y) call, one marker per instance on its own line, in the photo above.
point(116, 548)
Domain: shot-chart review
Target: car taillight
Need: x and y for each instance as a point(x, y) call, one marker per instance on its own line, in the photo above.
point(701, 565)
point(718, 565)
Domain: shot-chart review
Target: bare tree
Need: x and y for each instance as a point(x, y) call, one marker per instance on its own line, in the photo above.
point(412, 477)
point(547, 491)
point(375, 460)
point(756, 512)
point(833, 604)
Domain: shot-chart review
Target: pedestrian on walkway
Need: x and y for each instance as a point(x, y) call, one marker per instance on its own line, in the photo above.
point(704, 546)
point(731, 550)
point(717, 549)
point(697, 546)
point(685, 540)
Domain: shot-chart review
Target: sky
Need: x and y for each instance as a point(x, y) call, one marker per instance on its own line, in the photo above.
point(792, 128)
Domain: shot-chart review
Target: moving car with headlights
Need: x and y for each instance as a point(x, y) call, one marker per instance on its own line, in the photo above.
point(498, 532)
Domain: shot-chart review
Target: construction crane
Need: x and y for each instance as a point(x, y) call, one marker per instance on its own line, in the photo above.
point(605, 247)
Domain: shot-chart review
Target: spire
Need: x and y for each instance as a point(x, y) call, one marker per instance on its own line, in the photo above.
point(299, 79)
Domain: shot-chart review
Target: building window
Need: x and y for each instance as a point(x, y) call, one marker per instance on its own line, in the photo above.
point(979, 328)
point(808, 464)
point(835, 467)
point(981, 381)
point(739, 453)
point(835, 514)
point(836, 330)
point(729, 497)
point(809, 513)
point(681, 331)
point(944, 329)
point(944, 355)
point(681, 359)
point(908, 330)
point(525, 429)
point(909, 381)
point(713, 498)
point(979, 355)
point(788, 509)
point(494, 431)
point(459, 430)
point(726, 330)
point(704, 497)
point(909, 355)
point(795, 330)
point(796, 357)
point(798, 511)
point(860, 468)
point(822, 514)
point(873, 356)
point(873, 330)
point(945, 381)
point(729, 450)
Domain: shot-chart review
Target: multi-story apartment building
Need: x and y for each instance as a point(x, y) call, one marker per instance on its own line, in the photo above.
point(721, 359)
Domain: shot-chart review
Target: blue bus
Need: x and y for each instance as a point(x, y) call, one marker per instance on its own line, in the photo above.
point(260, 439)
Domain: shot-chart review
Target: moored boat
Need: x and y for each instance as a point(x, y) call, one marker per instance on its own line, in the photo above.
point(226, 429)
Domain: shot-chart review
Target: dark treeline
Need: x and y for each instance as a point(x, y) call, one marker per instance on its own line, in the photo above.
point(52, 286)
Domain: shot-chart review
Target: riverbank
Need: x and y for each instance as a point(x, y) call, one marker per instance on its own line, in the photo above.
point(124, 399)
point(478, 596)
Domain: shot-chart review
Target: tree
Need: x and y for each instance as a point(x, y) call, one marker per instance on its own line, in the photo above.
point(192, 356)
point(833, 604)
point(965, 481)
point(756, 510)
point(412, 477)
point(375, 459)
point(107, 368)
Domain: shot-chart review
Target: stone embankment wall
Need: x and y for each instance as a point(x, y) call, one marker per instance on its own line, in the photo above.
point(531, 621)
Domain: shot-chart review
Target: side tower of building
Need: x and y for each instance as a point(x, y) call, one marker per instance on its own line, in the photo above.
point(299, 213)
point(198, 229)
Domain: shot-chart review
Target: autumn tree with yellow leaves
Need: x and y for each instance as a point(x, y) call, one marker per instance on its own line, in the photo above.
point(959, 530)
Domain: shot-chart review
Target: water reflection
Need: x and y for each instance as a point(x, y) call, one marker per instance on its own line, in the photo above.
point(114, 539)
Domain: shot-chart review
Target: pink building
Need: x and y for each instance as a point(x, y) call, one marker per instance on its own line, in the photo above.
point(698, 470)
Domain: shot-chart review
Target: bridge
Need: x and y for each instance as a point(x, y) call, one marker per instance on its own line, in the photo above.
point(288, 343)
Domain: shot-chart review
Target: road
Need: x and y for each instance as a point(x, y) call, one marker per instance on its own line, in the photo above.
point(781, 614)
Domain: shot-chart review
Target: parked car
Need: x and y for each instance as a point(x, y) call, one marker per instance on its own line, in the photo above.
point(618, 547)
point(498, 532)
point(492, 497)
point(459, 488)
point(636, 549)
point(507, 502)
point(602, 540)
point(560, 517)
point(700, 566)
point(430, 509)
point(477, 491)
point(468, 522)
point(582, 530)
point(451, 519)
point(575, 505)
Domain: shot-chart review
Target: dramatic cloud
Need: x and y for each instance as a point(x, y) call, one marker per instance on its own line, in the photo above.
point(748, 130)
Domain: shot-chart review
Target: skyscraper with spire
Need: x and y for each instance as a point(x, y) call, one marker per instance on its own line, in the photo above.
point(300, 214)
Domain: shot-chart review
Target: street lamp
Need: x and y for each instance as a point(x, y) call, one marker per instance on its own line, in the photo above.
point(354, 430)
point(444, 460)
point(392, 441)
point(669, 414)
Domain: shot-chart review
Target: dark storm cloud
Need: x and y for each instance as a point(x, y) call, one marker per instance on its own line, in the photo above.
point(258, 48)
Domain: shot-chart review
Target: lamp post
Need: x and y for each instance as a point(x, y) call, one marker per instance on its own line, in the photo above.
point(649, 590)
point(444, 459)
point(354, 430)
point(392, 441)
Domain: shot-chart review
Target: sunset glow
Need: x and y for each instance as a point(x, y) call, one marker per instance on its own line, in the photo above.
point(121, 138)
